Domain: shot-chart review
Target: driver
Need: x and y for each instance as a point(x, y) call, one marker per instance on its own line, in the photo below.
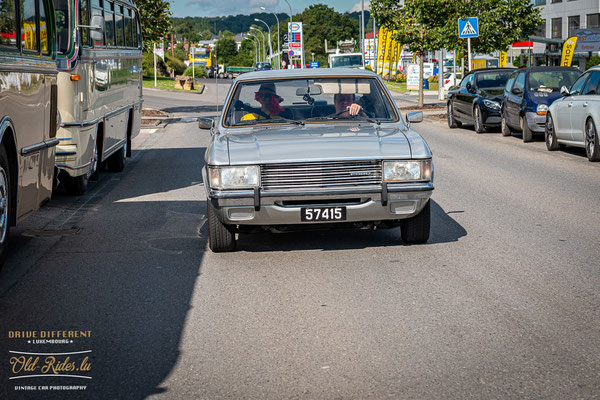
point(343, 101)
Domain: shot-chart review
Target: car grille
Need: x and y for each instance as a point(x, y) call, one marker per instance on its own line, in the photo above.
point(335, 174)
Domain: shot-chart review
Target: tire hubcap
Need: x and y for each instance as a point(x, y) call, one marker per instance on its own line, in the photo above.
point(450, 117)
point(549, 129)
point(590, 136)
point(3, 204)
point(477, 118)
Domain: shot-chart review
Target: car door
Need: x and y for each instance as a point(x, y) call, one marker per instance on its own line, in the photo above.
point(465, 98)
point(515, 100)
point(508, 103)
point(565, 125)
point(581, 106)
point(458, 102)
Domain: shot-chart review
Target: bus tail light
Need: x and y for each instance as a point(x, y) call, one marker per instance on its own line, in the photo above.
point(75, 77)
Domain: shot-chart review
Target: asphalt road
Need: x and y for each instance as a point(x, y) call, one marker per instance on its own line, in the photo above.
point(502, 302)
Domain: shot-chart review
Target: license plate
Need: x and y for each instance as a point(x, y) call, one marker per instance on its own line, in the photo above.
point(323, 214)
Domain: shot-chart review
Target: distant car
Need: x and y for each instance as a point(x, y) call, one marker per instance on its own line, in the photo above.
point(305, 149)
point(574, 119)
point(478, 98)
point(528, 94)
point(262, 66)
point(449, 79)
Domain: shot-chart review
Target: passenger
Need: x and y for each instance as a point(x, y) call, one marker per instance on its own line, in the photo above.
point(346, 102)
point(269, 105)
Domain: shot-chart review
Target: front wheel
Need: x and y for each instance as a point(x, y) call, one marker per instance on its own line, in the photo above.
point(527, 133)
point(77, 185)
point(416, 229)
point(478, 120)
point(220, 237)
point(506, 131)
point(550, 135)
point(592, 147)
point(452, 122)
point(5, 203)
point(116, 162)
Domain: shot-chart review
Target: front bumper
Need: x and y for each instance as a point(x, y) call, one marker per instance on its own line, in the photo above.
point(376, 203)
point(536, 123)
point(491, 118)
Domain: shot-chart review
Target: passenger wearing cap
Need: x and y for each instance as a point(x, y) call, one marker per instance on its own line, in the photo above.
point(269, 105)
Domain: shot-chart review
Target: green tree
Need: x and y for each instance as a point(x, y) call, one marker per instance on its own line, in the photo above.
point(226, 50)
point(154, 18)
point(245, 56)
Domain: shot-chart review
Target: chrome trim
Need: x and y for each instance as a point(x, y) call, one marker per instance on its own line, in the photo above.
point(113, 149)
point(70, 167)
point(107, 115)
point(65, 138)
point(66, 153)
point(35, 148)
point(238, 194)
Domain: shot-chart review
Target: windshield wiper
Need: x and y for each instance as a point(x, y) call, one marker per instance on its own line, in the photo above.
point(270, 121)
point(330, 118)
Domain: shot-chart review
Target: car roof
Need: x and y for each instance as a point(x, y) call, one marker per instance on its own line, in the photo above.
point(476, 71)
point(594, 68)
point(307, 73)
point(549, 68)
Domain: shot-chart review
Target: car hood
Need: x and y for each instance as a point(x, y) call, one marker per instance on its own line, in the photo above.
point(321, 142)
point(492, 94)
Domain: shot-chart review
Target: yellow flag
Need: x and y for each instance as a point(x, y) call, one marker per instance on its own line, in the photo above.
point(383, 34)
point(389, 51)
point(567, 51)
point(502, 59)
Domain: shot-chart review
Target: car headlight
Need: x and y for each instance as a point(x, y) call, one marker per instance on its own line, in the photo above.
point(542, 109)
point(247, 177)
point(494, 105)
point(402, 171)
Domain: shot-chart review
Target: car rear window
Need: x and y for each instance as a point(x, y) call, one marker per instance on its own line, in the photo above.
point(492, 79)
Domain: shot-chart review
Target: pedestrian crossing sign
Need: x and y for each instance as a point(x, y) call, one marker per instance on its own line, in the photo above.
point(468, 28)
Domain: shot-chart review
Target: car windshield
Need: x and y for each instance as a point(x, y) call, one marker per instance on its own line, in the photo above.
point(551, 81)
point(492, 79)
point(308, 100)
point(350, 61)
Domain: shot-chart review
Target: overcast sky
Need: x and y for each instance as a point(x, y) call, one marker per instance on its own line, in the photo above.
point(212, 8)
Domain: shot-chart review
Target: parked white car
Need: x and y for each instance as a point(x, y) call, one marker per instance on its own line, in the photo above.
point(450, 78)
point(574, 119)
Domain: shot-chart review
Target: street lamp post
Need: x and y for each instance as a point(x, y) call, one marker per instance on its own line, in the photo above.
point(278, 45)
point(255, 50)
point(291, 12)
point(270, 46)
point(253, 36)
point(263, 42)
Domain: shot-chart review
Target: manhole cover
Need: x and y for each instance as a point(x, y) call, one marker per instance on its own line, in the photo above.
point(50, 233)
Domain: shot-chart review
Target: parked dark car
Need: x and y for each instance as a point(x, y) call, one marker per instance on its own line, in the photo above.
point(263, 66)
point(528, 94)
point(478, 98)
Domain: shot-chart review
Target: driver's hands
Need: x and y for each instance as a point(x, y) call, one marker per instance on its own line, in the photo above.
point(354, 109)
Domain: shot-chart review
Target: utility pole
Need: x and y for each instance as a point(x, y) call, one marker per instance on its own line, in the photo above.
point(362, 30)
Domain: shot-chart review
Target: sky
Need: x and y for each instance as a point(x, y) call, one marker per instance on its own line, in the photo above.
point(213, 8)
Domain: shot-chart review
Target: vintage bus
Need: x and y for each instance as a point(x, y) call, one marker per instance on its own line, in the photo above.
point(99, 87)
point(28, 115)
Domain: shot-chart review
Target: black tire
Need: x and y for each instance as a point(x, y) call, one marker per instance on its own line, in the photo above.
point(5, 203)
point(221, 238)
point(76, 186)
point(452, 122)
point(416, 229)
point(592, 147)
point(505, 129)
point(478, 120)
point(95, 176)
point(527, 134)
point(550, 134)
point(116, 162)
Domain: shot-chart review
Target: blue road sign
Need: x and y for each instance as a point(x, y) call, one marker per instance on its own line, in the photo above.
point(314, 64)
point(468, 28)
point(291, 53)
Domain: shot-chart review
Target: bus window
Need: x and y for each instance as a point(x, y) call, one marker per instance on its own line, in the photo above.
point(8, 27)
point(109, 24)
point(129, 31)
point(43, 29)
point(138, 31)
point(119, 28)
point(83, 20)
point(96, 10)
point(61, 12)
point(29, 41)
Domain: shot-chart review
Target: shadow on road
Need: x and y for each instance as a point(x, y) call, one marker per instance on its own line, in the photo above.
point(191, 109)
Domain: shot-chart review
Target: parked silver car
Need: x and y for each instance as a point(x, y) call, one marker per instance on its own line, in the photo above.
point(573, 119)
point(312, 149)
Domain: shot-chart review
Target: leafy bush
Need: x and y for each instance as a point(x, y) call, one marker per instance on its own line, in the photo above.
point(401, 78)
point(199, 72)
point(517, 61)
point(595, 60)
point(175, 64)
point(148, 65)
point(433, 78)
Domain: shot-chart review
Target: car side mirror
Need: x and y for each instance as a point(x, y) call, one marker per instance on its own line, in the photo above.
point(517, 91)
point(96, 28)
point(205, 123)
point(564, 91)
point(414, 117)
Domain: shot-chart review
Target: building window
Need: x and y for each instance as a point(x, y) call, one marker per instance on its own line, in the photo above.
point(573, 24)
point(556, 1)
point(541, 30)
point(557, 28)
point(593, 21)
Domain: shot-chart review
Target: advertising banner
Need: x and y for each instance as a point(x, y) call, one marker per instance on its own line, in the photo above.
point(412, 77)
point(389, 51)
point(567, 51)
point(502, 61)
point(383, 34)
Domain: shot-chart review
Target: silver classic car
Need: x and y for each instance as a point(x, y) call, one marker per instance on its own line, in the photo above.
point(314, 149)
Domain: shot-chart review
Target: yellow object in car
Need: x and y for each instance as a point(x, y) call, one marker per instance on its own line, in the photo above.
point(252, 117)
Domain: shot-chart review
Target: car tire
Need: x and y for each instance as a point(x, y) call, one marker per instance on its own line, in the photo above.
point(221, 238)
point(417, 228)
point(5, 203)
point(76, 186)
point(592, 147)
point(550, 134)
point(505, 129)
point(116, 162)
point(478, 120)
point(527, 134)
point(452, 122)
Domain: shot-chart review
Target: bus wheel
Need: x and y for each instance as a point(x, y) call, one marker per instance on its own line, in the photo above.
point(116, 162)
point(5, 205)
point(77, 185)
